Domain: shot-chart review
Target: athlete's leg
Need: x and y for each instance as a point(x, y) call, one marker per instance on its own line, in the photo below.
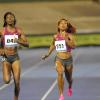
point(6, 69)
point(68, 74)
point(16, 73)
point(60, 70)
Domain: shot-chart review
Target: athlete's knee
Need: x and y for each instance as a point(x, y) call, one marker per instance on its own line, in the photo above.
point(60, 70)
point(7, 81)
point(69, 68)
point(17, 84)
point(60, 74)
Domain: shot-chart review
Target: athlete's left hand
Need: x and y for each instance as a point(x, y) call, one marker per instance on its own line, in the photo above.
point(45, 56)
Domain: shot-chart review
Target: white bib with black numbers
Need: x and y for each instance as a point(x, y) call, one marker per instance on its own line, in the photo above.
point(10, 40)
point(60, 46)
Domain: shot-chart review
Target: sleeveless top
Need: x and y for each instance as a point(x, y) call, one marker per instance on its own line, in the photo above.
point(60, 44)
point(8, 37)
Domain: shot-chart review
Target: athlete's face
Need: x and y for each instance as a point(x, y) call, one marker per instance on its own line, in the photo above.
point(62, 25)
point(10, 19)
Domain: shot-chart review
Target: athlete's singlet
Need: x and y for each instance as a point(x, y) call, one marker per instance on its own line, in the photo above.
point(60, 44)
point(9, 38)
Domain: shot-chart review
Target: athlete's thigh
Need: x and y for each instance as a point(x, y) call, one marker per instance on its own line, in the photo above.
point(16, 69)
point(69, 68)
point(59, 67)
point(6, 69)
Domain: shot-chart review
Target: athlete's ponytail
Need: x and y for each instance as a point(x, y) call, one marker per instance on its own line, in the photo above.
point(71, 28)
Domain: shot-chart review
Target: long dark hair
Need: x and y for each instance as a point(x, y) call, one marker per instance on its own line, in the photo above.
point(70, 27)
point(5, 15)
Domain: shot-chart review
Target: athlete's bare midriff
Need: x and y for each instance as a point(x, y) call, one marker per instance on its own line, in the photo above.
point(64, 55)
point(10, 50)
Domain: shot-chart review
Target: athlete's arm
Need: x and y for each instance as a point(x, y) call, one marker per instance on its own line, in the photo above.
point(51, 48)
point(70, 40)
point(1, 46)
point(22, 39)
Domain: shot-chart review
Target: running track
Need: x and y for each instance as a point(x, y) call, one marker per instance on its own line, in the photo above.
point(38, 78)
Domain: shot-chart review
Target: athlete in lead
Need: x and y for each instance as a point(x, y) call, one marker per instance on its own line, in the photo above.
point(63, 42)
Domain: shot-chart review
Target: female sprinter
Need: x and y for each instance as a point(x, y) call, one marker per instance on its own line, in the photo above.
point(63, 42)
point(11, 38)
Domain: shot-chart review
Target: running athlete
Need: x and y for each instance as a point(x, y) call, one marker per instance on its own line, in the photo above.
point(63, 42)
point(12, 37)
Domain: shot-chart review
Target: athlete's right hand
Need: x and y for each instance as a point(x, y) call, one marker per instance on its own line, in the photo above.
point(45, 56)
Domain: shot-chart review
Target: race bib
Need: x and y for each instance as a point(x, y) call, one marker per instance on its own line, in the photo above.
point(60, 46)
point(10, 40)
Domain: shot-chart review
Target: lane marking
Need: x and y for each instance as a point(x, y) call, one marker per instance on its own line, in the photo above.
point(25, 72)
point(33, 68)
point(49, 90)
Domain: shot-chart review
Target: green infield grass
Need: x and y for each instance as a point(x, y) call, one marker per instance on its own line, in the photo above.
point(81, 40)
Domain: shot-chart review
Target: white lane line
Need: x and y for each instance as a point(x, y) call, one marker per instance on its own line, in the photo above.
point(28, 70)
point(49, 90)
point(5, 85)
point(33, 68)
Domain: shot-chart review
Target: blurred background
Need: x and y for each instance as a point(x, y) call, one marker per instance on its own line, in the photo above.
point(39, 17)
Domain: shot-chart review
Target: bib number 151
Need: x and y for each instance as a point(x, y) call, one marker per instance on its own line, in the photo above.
point(60, 45)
